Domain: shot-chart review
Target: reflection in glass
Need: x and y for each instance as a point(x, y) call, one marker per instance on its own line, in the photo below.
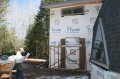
point(98, 52)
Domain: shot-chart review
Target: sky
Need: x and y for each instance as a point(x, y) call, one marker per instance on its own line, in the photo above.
point(20, 14)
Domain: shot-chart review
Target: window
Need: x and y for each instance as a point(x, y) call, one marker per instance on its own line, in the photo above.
point(73, 11)
point(99, 54)
point(67, 12)
point(78, 10)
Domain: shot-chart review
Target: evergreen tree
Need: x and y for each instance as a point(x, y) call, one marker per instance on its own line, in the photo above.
point(37, 38)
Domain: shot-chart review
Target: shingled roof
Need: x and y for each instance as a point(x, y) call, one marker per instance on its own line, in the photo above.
point(110, 16)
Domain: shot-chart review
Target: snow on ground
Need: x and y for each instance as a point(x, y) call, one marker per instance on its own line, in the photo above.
point(63, 77)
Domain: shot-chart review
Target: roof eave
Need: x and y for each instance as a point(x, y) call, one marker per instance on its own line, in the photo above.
point(65, 3)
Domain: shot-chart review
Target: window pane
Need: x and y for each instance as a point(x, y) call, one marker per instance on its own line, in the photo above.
point(73, 11)
point(78, 10)
point(98, 52)
point(67, 12)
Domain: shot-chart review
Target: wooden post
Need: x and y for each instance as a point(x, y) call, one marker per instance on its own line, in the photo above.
point(82, 56)
point(62, 55)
